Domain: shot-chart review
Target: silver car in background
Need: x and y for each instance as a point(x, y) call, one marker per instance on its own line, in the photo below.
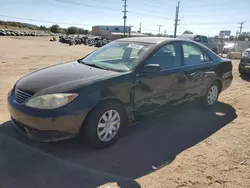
point(208, 42)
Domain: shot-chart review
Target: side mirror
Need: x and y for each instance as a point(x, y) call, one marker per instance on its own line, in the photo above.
point(151, 68)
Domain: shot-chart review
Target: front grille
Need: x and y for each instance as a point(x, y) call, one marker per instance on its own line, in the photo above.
point(22, 96)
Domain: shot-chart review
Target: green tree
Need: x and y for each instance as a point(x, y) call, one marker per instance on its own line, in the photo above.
point(231, 38)
point(244, 35)
point(83, 31)
point(42, 27)
point(55, 28)
point(63, 30)
point(73, 30)
point(188, 32)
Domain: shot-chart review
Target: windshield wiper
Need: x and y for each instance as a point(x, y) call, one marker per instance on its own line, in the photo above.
point(94, 65)
point(100, 67)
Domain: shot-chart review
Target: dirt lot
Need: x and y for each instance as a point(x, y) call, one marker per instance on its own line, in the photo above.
point(189, 147)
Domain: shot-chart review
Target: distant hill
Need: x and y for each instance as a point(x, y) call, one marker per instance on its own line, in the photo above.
point(20, 25)
point(54, 28)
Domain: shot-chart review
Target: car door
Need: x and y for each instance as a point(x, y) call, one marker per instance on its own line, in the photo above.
point(154, 91)
point(199, 70)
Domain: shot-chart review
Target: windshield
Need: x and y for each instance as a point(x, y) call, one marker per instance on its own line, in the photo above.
point(230, 45)
point(117, 56)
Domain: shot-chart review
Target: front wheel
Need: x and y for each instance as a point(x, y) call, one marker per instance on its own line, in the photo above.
point(104, 124)
point(212, 95)
point(242, 73)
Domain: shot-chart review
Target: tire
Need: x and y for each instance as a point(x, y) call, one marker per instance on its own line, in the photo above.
point(95, 124)
point(212, 95)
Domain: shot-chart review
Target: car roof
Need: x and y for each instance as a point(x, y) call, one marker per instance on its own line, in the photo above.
point(152, 40)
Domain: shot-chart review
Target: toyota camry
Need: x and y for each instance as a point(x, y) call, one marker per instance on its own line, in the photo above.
point(124, 81)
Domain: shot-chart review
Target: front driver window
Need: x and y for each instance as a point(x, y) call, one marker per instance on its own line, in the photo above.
point(167, 57)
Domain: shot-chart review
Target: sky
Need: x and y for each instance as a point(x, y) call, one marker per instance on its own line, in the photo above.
point(205, 17)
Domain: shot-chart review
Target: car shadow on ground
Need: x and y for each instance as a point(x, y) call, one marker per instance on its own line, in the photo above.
point(155, 141)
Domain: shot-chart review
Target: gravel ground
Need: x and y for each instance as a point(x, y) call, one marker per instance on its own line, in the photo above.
point(187, 147)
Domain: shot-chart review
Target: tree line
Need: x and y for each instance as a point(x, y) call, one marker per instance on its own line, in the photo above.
point(240, 37)
point(54, 28)
point(71, 30)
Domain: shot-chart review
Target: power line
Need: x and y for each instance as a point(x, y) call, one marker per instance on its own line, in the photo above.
point(160, 3)
point(218, 8)
point(208, 14)
point(210, 23)
point(43, 21)
point(86, 5)
point(150, 15)
point(107, 8)
point(156, 4)
point(80, 24)
point(147, 29)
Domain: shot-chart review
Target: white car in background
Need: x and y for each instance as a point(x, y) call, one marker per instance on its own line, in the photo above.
point(229, 47)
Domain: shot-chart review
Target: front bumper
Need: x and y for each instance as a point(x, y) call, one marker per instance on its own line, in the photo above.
point(46, 129)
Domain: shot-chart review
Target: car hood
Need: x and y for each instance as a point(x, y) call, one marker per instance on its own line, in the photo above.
point(62, 77)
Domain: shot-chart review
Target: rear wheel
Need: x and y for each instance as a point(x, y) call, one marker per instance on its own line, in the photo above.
point(104, 124)
point(212, 95)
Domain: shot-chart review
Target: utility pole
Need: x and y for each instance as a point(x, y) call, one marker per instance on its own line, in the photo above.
point(235, 39)
point(130, 28)
point(241, 26)
point(140, 27)
point(159, 29)
point(176, 18)
point(124, 16)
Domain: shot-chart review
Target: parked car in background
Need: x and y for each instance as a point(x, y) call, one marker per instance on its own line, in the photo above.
point(229, 47)
point(244, 66)
point(2, 32)
point(213, 45)
point(121, 82)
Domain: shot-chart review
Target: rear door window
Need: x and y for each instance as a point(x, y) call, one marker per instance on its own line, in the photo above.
point(193, 54)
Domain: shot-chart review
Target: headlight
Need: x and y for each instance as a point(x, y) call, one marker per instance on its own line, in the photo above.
point(246, 54)
point(51, 101)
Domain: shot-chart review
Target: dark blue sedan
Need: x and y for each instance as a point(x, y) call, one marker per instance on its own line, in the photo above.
point(124, 81)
